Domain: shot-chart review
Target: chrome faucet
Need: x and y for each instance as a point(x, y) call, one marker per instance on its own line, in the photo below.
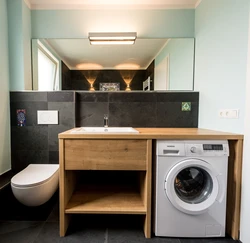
point(106, 120)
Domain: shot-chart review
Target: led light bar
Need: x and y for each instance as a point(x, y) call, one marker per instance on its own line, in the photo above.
point(126, 38)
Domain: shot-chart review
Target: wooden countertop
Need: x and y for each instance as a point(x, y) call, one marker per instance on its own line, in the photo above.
point(157, 133)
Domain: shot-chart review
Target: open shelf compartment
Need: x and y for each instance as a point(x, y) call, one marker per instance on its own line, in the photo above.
point(105, 200)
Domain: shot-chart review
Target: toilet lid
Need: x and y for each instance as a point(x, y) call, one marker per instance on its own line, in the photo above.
point(34, 174)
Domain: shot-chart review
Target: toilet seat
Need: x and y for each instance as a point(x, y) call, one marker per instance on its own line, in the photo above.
point(34, 175)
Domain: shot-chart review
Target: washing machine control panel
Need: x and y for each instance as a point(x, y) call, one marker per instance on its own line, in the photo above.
point(207, 149)
point(192, 148)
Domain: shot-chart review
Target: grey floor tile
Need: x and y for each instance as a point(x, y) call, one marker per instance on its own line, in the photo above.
point(125, 236)
point(19, 231)
point(54, 215)
point(135, 235)
point(76, 233)
point(155, 239)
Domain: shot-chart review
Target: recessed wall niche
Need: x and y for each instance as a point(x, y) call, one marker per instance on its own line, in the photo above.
point(91, 79)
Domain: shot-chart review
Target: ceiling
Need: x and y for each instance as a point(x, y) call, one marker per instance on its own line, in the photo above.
point(112, 4)
point(79, 54)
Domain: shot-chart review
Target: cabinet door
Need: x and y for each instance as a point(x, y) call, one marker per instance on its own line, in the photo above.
point(105, 154)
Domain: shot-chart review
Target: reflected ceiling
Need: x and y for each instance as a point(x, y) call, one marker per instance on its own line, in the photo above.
point(79, 54)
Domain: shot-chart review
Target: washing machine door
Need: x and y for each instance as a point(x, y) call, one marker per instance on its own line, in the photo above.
point(193, 185)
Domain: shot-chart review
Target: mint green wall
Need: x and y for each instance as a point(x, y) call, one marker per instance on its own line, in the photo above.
point(181, 63)
point(26, 17)
point(78, 23)
point(19, 33)
point(5, 162)
point(15, 45)
point(221, 32)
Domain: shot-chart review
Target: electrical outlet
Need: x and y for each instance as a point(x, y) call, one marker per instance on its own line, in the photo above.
point(229, 113)
point(47, 117)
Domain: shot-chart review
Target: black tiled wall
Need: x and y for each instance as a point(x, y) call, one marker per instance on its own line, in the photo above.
point(33, 143)
point(76, 79)
point(137, 109)
point(39, 143)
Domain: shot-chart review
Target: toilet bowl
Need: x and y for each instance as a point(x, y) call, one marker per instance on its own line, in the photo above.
point(36, 184)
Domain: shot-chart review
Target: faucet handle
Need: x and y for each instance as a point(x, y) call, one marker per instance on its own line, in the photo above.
point(106, 118)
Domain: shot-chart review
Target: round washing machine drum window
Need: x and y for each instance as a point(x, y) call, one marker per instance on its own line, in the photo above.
point(192, 186)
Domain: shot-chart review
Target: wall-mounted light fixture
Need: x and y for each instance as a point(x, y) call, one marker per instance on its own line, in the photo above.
point(113, 38)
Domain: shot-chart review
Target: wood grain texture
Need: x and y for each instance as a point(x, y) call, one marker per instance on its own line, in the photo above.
point(234, 188)
point(105, 154)
point(63, 220)
point(67, 184)
point(105, 200)
point(158, 133)
point(148, 189)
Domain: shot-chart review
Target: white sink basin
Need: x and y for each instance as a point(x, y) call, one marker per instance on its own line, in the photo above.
point(105, 130)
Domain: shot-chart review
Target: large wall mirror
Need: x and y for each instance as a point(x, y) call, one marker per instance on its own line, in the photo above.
point(149, 64)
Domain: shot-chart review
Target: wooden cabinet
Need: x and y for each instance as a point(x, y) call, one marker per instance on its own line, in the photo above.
point(119, 197)
point(105, 154)
point(131, 153)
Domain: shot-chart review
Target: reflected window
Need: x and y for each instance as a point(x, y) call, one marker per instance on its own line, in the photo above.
point(48, 70)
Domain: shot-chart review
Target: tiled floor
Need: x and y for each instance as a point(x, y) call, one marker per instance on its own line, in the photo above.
point(88, 228)
point(24, 225)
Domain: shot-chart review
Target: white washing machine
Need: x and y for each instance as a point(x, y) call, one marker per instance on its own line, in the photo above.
point(191, 185)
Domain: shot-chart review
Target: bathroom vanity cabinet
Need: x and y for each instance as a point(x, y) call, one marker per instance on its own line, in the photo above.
point(112, 173)
point(105, 196)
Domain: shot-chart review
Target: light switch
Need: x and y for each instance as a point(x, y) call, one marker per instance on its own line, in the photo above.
point(47, 117)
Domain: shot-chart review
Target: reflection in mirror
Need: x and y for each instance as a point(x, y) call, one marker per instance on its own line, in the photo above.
point(149, 64)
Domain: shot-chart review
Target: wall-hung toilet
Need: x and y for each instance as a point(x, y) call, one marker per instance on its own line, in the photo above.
point(36, 184)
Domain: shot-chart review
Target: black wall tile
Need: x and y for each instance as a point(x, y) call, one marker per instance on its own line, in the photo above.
point(92, 96)
point(137, 80)
point(29, 138)
point(53, 157)
point(177, 96)
point(169, 114)
point(28, 96)
point(132, 114)
point(109, 76)
point(91, 114)
point(22, 158)
point(31, 111)
point(53, 131)
point(66, 113)
point(66, 119)
point(62, 96)
point(132, 97)
point(77, 79)
point(66, 77)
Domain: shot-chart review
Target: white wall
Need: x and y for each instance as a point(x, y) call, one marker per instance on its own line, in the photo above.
point(5, 162)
